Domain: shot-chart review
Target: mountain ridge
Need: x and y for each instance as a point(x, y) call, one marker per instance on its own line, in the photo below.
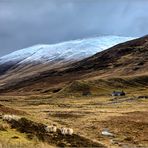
point(45, 57)
point(122, 60)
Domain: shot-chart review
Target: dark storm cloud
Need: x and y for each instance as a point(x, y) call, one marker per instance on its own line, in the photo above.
point(27, 22)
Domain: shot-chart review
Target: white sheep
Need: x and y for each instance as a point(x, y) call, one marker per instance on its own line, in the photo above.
point(54, 129)
point(16, 118)
point(10, 117)
point(48, 129)
point(63, 131)
point(69, 131)
point(51, 128)
point(7, 117)
point(66, 131)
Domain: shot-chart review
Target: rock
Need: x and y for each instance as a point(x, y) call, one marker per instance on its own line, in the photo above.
point(105, 132)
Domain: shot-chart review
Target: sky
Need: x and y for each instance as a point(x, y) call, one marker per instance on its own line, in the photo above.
point(25, 23)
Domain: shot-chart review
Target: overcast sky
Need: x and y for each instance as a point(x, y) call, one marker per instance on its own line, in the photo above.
point(25, 23)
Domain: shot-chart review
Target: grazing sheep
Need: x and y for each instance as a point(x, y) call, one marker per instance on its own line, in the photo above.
point(66, 131)
point(54, 128)
point(16, 118)
point(11, 117)
point(6, 117)
point(51, 128)
point(48, 128)
point(63, 131)
point(69, 131)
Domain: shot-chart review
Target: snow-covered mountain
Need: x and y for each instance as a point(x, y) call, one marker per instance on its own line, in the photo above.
point(66, 51)
point(45, 66)
point(36, 60)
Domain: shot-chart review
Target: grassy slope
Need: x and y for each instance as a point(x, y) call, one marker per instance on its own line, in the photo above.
point(10, 138)
point(91, 113)
point(105, 86)
point(88, 115)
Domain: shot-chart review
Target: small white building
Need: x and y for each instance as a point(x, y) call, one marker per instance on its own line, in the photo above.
point(118, 93)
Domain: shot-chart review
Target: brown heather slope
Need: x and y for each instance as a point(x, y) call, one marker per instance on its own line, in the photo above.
point(125, 59)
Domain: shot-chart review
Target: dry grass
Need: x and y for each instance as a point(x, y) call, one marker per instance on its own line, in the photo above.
point(10, 138)
point(89, 115)
point(9, 144)
point(4, 126)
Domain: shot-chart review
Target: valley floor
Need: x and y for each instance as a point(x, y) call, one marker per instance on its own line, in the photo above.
point(125, 117)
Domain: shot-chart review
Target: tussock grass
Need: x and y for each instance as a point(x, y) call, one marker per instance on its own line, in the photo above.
point(104, 86)
point(10, 138)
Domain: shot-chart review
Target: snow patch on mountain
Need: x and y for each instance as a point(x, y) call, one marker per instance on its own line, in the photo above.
point(65, 51)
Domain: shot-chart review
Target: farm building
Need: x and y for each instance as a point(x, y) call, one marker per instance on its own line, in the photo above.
point(118, 93)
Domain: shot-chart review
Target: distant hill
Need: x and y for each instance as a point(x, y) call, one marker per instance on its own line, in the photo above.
point(128, 59)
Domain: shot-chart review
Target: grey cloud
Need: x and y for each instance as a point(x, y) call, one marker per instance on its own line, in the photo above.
point(27, 22)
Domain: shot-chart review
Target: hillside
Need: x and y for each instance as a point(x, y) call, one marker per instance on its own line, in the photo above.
point(35, 60)
point(82, 92)
point(125, 59)
point(56, 55)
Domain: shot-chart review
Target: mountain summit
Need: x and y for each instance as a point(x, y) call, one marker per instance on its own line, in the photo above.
point(38, 60)
point(70, 51)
